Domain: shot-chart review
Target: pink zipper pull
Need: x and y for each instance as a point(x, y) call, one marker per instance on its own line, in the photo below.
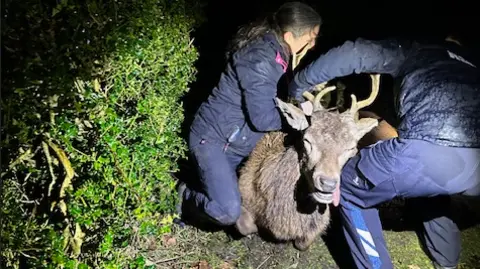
point(282, 62)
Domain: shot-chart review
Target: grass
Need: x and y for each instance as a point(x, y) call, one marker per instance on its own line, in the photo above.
point(218, 250)
point(192, 248)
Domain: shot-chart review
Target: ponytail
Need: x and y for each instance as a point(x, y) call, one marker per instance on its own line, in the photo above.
point(295, 17)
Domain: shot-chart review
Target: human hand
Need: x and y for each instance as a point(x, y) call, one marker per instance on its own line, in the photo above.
point(307, 108)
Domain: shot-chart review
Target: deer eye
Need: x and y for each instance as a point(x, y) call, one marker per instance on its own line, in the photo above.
point(307, 145)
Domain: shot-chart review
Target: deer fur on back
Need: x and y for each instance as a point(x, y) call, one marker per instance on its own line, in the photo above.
point(271, 185)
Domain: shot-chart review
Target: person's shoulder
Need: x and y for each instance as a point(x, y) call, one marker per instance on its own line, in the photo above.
point(386, 42)
point(449, 52)
point(259, 49)
point(262, 55)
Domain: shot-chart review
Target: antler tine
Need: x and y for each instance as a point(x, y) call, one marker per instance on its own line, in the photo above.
point(364, 103)
point(353, 107)
point(320, 86)
point(316, 103)
point(310, 97)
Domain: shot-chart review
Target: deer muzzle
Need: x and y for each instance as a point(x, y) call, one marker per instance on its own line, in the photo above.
point(327, 185)
point(324, 189)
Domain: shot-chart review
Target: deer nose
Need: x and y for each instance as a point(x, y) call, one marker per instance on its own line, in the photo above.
point(328, 185)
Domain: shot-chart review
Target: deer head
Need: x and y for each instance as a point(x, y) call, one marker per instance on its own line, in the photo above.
point(329, 139)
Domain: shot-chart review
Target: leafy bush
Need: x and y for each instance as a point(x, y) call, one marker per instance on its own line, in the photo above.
point(91, 115)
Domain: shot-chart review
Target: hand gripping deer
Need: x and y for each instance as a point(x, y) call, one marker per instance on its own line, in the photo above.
point(289, 180)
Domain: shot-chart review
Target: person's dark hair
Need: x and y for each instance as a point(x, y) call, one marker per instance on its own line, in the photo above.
point(295, 17)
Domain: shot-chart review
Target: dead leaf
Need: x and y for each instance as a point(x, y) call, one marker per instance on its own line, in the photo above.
point(226, 265)
point(201, 265)
point(169, 240)
point(77, 240)
point(67, 182)
point(151, 243)
point(96, 85)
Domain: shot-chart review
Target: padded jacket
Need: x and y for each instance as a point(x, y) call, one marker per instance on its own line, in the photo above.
point(242, 107)
point(437, 86)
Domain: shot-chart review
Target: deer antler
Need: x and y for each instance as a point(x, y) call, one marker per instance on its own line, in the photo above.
point(310, 97)
point(322, 90)
point(356, 106)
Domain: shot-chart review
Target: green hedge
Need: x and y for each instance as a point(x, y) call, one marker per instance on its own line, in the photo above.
point(91, 116)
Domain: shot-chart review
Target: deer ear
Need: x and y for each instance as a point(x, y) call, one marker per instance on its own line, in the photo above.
point(294, 115)
point(365, 125)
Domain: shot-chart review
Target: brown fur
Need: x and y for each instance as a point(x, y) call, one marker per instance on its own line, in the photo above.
point(279, 176)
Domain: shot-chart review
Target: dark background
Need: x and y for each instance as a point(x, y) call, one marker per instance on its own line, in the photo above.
point(342, 20)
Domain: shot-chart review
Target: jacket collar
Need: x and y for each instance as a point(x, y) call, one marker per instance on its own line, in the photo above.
point(272, 40)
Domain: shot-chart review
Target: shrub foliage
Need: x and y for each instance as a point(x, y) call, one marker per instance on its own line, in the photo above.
point(91, 115)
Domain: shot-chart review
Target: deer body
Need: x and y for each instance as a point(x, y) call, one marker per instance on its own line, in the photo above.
point(272, 194)
point(290, 180)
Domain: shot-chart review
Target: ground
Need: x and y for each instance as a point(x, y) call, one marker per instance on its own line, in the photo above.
point(190, 247)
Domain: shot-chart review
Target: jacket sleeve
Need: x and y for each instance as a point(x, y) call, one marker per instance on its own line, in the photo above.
point(258, 79)
point(360, 56)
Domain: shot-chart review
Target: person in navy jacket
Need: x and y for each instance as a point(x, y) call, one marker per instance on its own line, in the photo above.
point(436, 153)
point(242, 108)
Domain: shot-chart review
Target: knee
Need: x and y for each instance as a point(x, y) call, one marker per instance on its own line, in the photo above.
point(227, 213)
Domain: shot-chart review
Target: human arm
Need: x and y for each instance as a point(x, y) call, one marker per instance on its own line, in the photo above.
point(383, 131)
point(258, 78)
point(359, 56)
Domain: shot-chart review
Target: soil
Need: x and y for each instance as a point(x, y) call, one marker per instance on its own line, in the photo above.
point(191, 247)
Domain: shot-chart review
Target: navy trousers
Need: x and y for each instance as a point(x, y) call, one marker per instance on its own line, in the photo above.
point(409, 169)
point(218, 195)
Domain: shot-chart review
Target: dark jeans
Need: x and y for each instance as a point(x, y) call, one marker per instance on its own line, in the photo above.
point(409, 169)
point(218, 195)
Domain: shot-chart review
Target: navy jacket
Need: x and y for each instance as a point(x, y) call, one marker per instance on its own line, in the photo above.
point(437, 87)
point(241, 108)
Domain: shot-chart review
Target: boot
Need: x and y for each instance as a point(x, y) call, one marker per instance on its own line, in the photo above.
point(181, 187)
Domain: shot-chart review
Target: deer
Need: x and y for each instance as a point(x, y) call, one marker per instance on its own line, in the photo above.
point(290, 180)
